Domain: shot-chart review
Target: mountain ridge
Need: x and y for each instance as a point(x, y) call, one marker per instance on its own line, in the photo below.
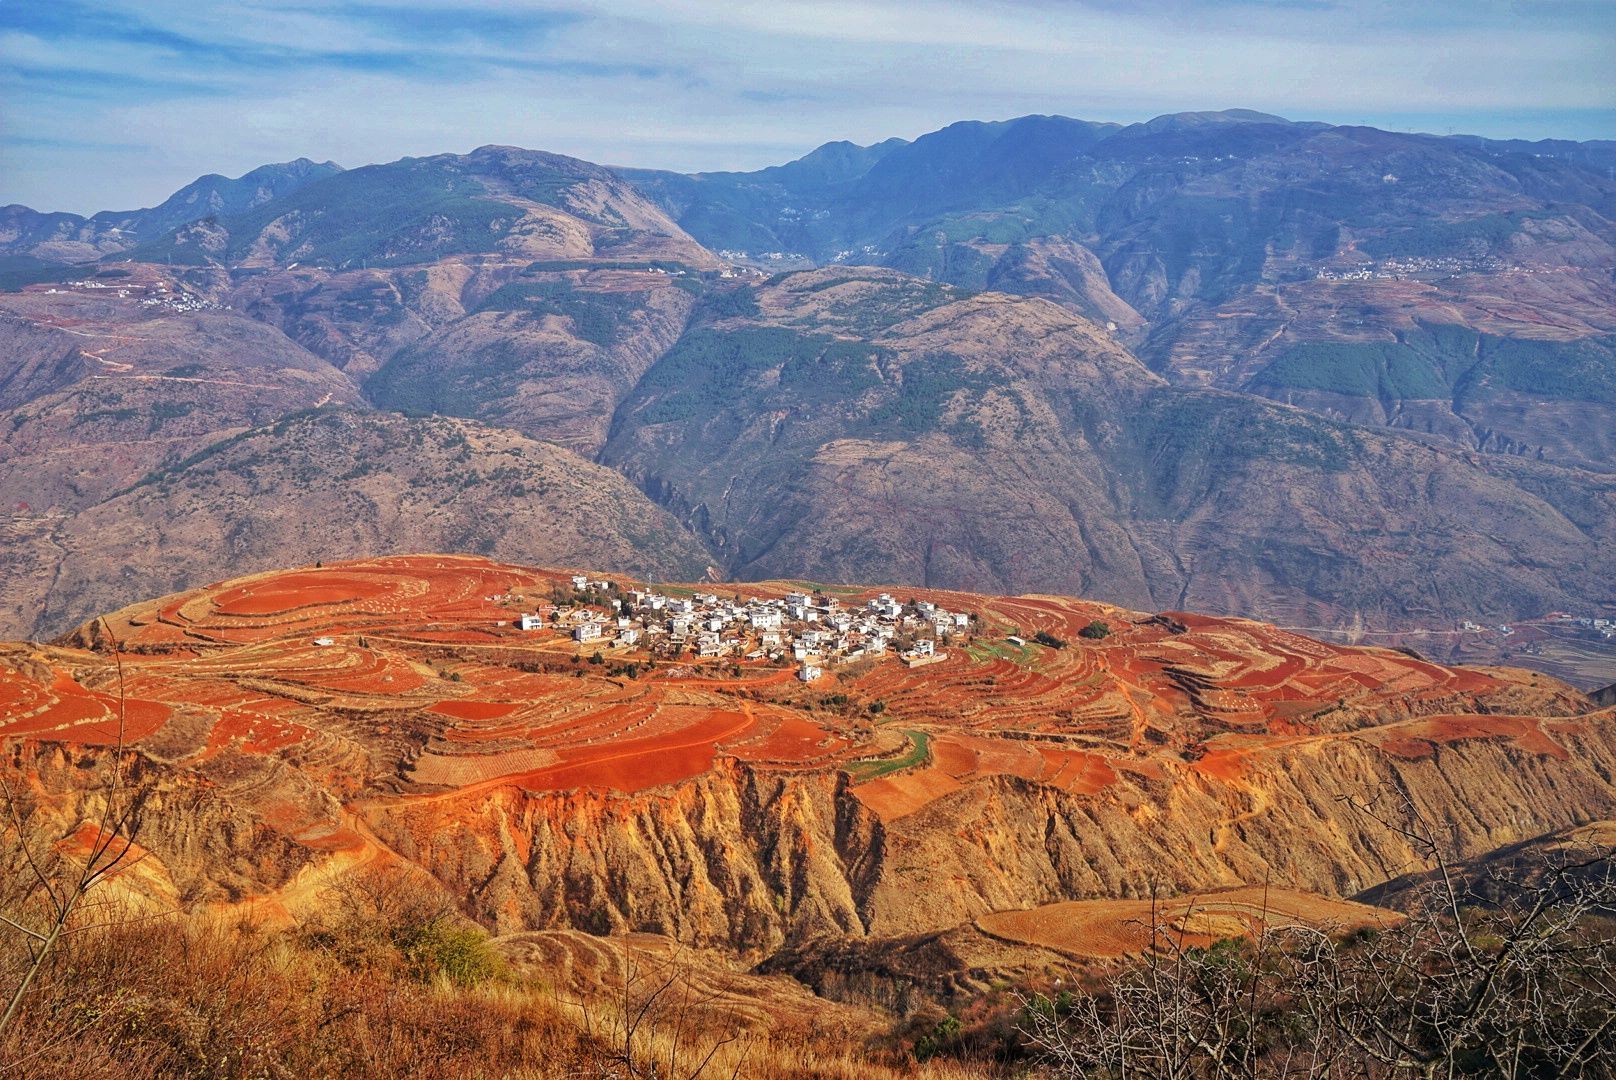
point(1224, 362)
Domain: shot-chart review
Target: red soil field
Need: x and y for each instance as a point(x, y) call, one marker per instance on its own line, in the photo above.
point(637, 764)
point(1420, 738)
point(420, 672)
point(312, 588)
point(475, 710)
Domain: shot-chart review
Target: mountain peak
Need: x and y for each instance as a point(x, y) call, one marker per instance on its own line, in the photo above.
point(1183, 120)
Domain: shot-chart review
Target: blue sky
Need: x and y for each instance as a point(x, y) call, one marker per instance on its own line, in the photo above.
point(114, 104)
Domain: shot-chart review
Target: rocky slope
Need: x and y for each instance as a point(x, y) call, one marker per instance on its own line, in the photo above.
point(335, 484)
point(1355, 272)
point(858, 424)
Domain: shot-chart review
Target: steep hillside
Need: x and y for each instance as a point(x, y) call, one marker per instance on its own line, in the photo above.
point(550, 354)
point(102, 385)
point(1351, 271)
point(334, 484)
point(295, 726)
point(495, 200)
point(72, 238)
point(862, 425)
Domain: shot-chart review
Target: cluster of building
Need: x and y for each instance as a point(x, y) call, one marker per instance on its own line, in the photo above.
point(811, 630)
point(177, 301)
point(1605, 628)
point(1416, 266)
point(157, 295)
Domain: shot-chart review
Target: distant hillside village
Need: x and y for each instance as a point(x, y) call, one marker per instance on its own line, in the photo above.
point(811, 630)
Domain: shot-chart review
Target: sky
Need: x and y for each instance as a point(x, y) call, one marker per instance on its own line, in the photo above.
point(115, 104)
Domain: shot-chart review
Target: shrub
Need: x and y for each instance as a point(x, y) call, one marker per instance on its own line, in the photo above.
point(1095, 630)
point(447, 949)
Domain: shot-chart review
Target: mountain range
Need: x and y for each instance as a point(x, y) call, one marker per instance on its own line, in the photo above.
point(1330, 376)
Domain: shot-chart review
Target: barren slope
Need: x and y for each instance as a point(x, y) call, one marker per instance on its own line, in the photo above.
point(335, 484)
point(861, 425)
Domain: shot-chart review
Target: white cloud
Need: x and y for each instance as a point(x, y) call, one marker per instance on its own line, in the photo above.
point(690, 85)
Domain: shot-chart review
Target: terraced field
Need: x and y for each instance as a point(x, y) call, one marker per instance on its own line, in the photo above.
point(1105, 929)
point(426, 646)
point(391, 710)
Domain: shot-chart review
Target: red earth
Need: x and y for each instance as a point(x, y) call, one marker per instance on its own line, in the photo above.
point(410, 670)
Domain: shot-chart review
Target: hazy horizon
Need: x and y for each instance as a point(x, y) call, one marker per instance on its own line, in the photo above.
point(116, 105)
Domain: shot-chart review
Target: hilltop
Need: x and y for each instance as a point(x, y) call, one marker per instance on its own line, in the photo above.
point(301, 725)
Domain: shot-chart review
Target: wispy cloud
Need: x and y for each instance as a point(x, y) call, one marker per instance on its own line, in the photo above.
point(116, 103)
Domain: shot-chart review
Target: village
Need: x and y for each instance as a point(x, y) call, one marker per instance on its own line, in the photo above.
point(151, 293)
point(1420, 267)
point(811, 630)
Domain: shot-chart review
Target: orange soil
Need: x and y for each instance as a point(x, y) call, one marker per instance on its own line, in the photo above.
point(637, 764)
point(1420, 738)
point(308, 589)
point(1106, 929)
point(893, 797)
point(475, 710)
point(241, 655)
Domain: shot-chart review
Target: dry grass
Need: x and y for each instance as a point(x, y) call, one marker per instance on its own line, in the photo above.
point(148, 999)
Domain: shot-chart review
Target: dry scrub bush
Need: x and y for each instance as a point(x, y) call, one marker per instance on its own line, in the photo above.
point(388, 982)
point(205, 999)
point(50, 888)
point(1485, 977)
point(661, 1017)
point(400, 922)
point(198, 998)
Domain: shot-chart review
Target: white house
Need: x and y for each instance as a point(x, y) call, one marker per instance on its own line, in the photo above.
point(586, 631)
point(810, 672)
point(885, 606)
point(579, 581)
point(530, 622)
point(628, 635)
